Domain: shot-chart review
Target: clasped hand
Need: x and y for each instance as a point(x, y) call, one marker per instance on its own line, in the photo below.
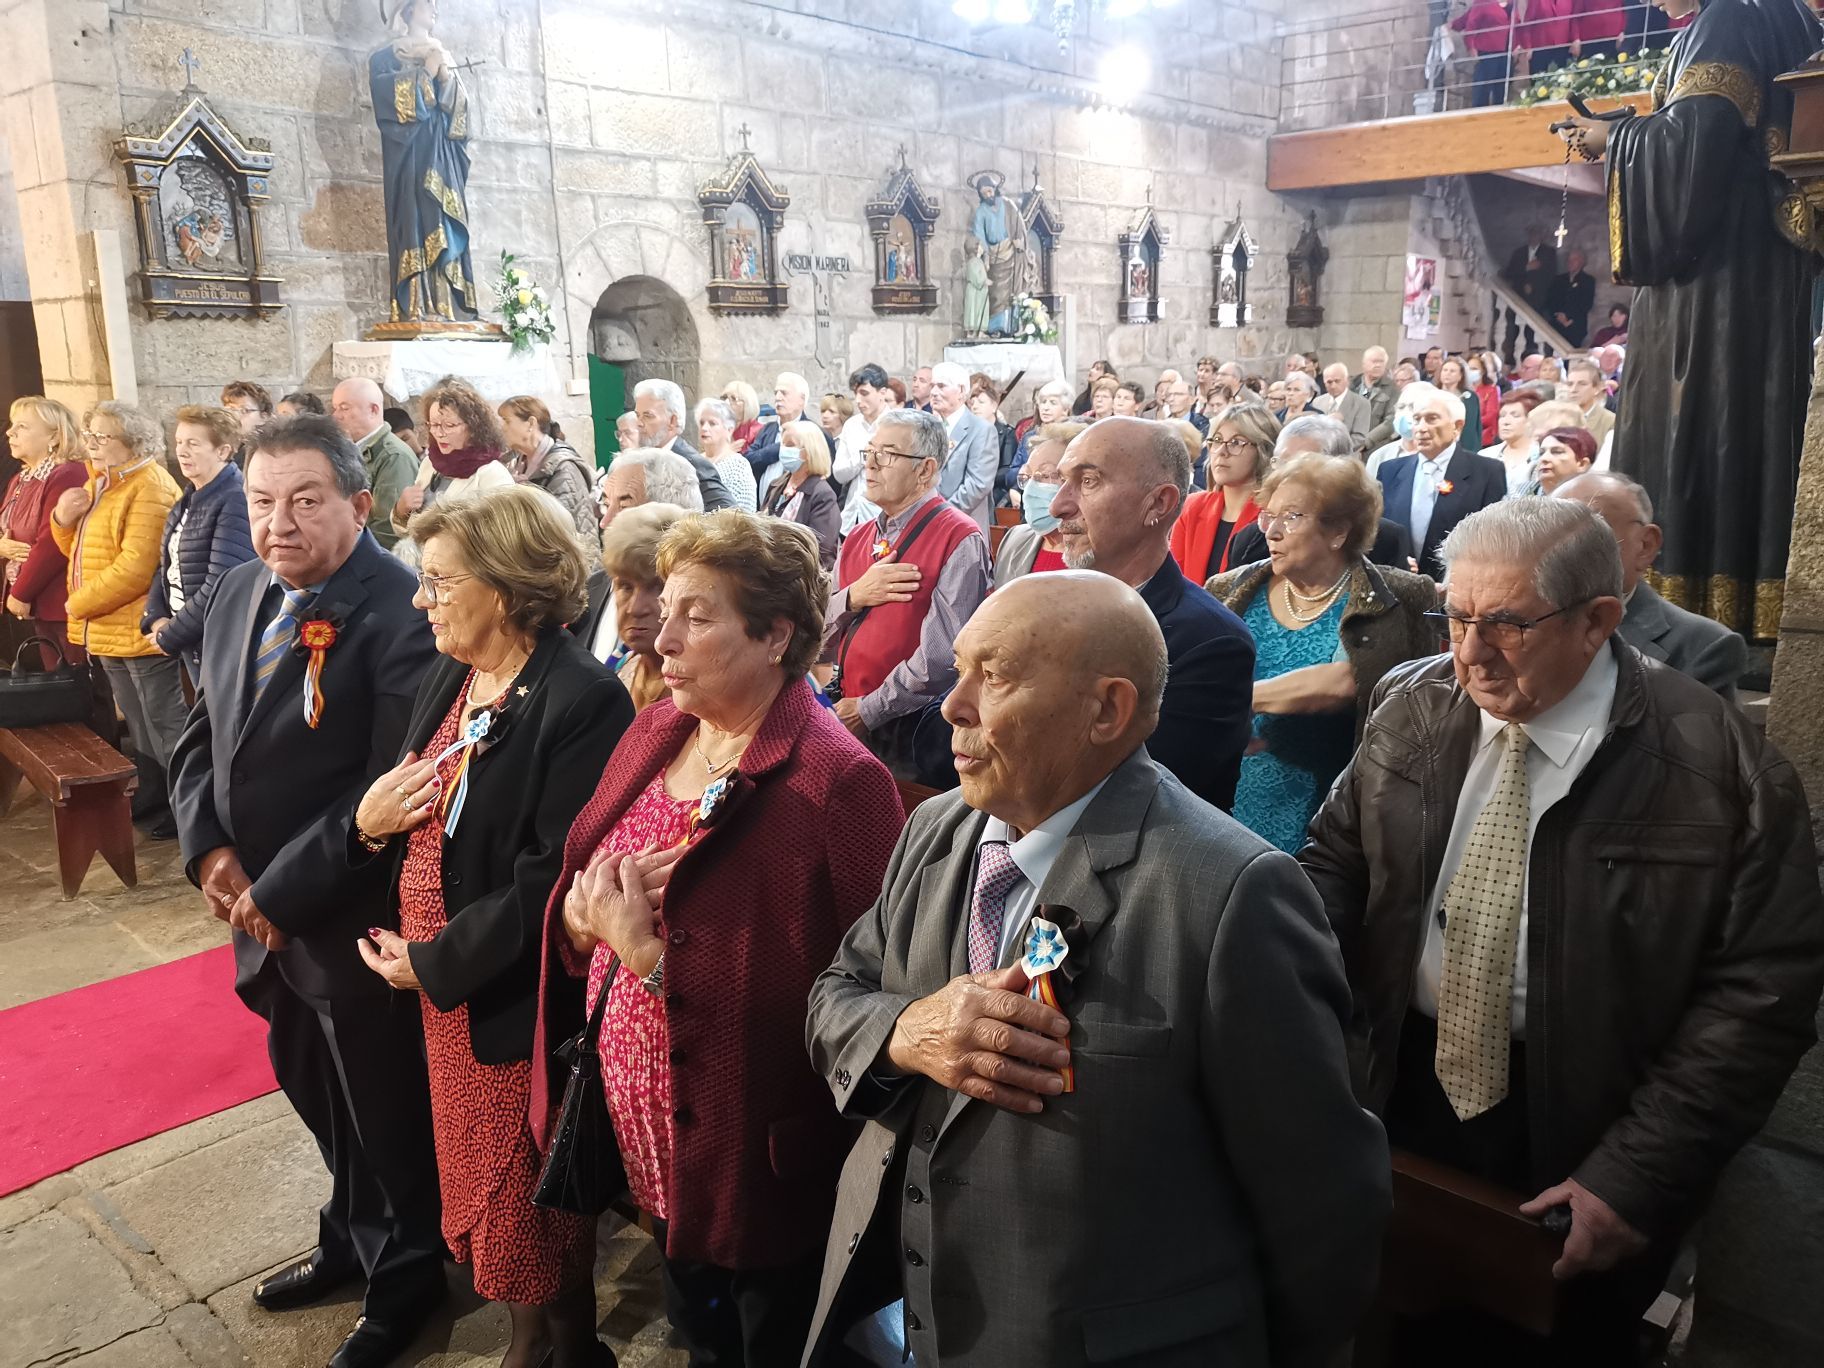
point(615, 900)
point(401, 799)
point(1599, 1238)
point(980, 1035)
point(392, 960)
point(230, 896)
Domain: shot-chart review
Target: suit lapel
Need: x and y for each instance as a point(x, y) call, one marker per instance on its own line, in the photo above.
point(944, 892)
point(243, 672)
point(345, 592)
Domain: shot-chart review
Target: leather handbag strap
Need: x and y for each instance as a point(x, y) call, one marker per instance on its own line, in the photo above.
point(19, 656)
point(905, 545)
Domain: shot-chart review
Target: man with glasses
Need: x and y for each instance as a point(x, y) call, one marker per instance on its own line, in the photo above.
point(906, 582)
point(1441, 483)
point(1578, 899)
point(252, 404)
point(1698, 646)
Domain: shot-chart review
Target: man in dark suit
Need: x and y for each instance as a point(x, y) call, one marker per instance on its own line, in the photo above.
point(263, 785)
point(1531, 268)
point(1697, 646)
point(1157, 1212)
point(658, 407)
point(1442, 482)
point(1571, 298)
point(1124, 484)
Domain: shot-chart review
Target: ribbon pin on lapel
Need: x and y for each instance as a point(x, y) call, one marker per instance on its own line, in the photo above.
point(458, 791)
point(1046, 950)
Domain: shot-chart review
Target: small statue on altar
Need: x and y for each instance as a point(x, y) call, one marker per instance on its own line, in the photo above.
point(422, 110)
point(975, 290)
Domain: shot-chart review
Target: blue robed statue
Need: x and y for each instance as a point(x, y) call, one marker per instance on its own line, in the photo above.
point(997, 225)
point(423, 114)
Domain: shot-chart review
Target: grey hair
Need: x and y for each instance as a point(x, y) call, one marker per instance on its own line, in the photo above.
point(314, 432)
point(670, 479)
point(1301, 381)
point(1421, 392)
point(1057, 389)
point(1614, 479)
point(1571, 549)
point(138, 429)
point(666, 392)
point(930, 438)
point(1332, 436)
point(719, 410)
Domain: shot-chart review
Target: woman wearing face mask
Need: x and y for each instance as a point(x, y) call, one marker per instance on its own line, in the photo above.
point(803, 493)
point(1035, 545)
point(1240, 450)
point(1053, 406)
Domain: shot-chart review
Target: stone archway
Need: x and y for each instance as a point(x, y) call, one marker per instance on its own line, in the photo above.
point(643, 326)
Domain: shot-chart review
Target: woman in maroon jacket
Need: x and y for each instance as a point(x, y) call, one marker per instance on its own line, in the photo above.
point(739, 829)
point(43, 436)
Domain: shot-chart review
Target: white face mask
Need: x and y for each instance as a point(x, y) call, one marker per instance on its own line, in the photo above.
point(1475, 375)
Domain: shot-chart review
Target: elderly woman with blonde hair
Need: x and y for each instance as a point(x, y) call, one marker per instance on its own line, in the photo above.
point(42, 436)
point(743, 401)
point(511, 728)
point(630, 557)
point(804, 493)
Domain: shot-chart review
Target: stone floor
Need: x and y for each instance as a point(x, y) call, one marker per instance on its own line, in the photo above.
point(147, 1257)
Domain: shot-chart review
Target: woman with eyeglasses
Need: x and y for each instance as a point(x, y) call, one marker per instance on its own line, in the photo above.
point(1237, 456)
point(1036, 545)
point(463, 456)
point(1328, 624)
point(512, 726)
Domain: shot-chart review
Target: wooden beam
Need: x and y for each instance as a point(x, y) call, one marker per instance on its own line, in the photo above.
point(1459, 143)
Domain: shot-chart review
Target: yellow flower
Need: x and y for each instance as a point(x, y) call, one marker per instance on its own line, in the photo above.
point(1621, 56)
point(525, 296)
point(1584, 63)
point(1628, 72)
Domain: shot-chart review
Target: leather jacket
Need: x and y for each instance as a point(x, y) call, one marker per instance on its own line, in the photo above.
point(1675, 933)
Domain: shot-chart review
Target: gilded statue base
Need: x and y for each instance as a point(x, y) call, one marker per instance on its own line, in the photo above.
point(407, 330)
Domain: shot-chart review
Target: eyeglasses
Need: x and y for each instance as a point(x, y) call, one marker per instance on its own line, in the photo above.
point(435, 586)
point(876, 458)
point(244, 408)
point(1271, 522)
point(1502, 634)
point(99, 438)
point(1236, 444)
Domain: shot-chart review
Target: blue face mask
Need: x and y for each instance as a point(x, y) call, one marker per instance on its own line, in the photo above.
point(1035, 505)
point(1402, 426)
point(790, 459)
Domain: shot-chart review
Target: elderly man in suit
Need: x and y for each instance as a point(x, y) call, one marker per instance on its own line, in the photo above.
point(1125, 481)
point(1704, 649)
point(1442, 482)
point(658, 407)
point(1380, 389)
point(1156, 1158)
point(358, 406)
point(1345, 405)
point(1579, 901)
point(264, 784)
point(966, 478)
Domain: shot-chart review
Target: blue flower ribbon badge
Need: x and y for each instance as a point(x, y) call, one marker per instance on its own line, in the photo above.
point(1046, 950)
point(466, 744)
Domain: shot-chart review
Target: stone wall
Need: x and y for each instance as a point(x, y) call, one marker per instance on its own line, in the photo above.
point(596, 120)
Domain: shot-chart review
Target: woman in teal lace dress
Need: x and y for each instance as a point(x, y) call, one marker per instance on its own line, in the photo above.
point(1327, 624)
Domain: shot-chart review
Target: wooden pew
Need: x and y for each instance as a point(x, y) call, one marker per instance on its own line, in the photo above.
point(89, 785)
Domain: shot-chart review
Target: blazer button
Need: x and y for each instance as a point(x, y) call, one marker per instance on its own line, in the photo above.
point(914, 1258)
point(854, 1241)
point(927, 1133)
point(677, 1055)
point(679, 937)
point(681, 1115)
point(454, 881)
point(912, 1322)
point(913, 1194)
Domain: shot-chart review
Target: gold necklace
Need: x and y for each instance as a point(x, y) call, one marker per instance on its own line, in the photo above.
point(711, 766)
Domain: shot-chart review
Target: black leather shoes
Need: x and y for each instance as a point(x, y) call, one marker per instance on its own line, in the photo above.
point(310, 1279)
point(374, 1344)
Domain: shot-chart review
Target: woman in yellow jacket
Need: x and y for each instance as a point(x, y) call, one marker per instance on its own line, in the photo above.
point(110, 530)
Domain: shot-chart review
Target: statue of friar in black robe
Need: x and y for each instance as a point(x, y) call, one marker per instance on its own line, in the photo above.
point(1712, 404)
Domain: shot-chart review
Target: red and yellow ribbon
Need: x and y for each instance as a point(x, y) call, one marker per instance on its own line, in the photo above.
point(316, 636)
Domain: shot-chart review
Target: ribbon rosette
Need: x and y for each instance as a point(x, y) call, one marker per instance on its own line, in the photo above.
point(1046, 950)
point(1446, 486)
point(465, 745)
point(315, 637)
point(881, 547)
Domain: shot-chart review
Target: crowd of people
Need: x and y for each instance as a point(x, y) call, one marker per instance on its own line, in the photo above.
point(1513, 43)
point(1253, 693)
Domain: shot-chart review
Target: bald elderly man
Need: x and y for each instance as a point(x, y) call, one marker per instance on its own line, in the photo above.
point(359, 409)
point(1200, 1187)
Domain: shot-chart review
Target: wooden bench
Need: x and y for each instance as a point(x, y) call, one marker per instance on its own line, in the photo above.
point(89, 785)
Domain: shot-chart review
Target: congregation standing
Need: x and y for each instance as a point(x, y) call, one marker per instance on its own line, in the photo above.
point(946, 820)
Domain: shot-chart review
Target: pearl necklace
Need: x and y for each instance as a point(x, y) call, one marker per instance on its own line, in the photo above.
point(1321, 601)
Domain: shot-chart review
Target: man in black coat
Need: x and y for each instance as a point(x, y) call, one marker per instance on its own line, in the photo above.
point(263, 781)
point(1124, 483)
point(1442, 482)
point(1571, 298)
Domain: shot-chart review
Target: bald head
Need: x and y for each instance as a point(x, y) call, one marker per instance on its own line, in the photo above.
point(357, 407)
point(1059, 679)
point(1628, 510)
point(1124, 483)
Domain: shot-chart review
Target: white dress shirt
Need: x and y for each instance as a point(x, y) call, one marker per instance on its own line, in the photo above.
point(1034, 853)
point(1425, 481)
point(1564, 737)
point(607, 631)
point(850, 448)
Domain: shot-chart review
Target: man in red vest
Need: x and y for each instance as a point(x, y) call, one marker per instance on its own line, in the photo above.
point(906, 581)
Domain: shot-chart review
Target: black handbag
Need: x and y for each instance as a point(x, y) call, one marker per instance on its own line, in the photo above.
point(583, 1173)
point(39, 698)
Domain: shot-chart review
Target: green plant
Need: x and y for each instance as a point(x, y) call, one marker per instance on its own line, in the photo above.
point(1628, 74)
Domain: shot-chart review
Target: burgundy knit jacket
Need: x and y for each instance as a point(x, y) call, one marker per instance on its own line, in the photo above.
point(753, 913)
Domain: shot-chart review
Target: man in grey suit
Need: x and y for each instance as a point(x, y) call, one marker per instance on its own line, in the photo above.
point(1345, 405)
point(1707, 651)
point(967, 476)
point(1165, 1167)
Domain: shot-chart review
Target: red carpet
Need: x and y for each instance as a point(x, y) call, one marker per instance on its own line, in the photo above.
point(90, 1070)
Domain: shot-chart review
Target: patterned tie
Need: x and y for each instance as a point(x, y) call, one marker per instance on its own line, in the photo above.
point(995, 874)
point(276, 639)
point(1481, 938)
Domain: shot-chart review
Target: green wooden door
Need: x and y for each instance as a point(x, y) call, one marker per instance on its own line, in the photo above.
point(607, 402)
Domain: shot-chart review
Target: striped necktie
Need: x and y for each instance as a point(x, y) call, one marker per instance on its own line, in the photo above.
point(276, 639)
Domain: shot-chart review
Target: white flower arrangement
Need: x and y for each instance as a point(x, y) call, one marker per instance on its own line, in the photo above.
point(525, 309)
point(1032, 320)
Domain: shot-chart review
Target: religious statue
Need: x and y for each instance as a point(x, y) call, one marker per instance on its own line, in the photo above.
point(1000, 230)
point(423, 113)
point(975, 290)
point(1712, 403)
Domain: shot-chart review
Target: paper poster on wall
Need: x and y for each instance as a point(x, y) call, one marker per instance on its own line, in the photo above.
point(1419, 316)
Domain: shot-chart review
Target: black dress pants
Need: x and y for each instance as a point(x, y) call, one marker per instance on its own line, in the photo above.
point(739, 1318)
point(353, 1068)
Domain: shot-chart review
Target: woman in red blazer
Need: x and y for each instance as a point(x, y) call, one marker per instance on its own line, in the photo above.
point(1547, 33)
point(43, 437)
point(1237, 455)
point(738, 831)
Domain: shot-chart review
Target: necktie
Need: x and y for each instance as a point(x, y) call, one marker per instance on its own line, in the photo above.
point(1481, 938)
point(995, 874)
point(276, 639)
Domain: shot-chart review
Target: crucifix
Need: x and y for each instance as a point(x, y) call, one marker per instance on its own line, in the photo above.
point(191, 65)
point(902, 156)
point(744, 133)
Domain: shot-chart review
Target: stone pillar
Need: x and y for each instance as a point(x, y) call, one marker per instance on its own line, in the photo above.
point(1762, 1242)
point(60, 105)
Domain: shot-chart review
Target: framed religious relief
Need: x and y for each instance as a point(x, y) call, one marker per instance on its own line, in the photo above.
point(744, 212)
point(1230, 261)
point(900, 219)
point(197, 190)
point(1305, 277)
point(1043, 229)
point(1142, 247)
